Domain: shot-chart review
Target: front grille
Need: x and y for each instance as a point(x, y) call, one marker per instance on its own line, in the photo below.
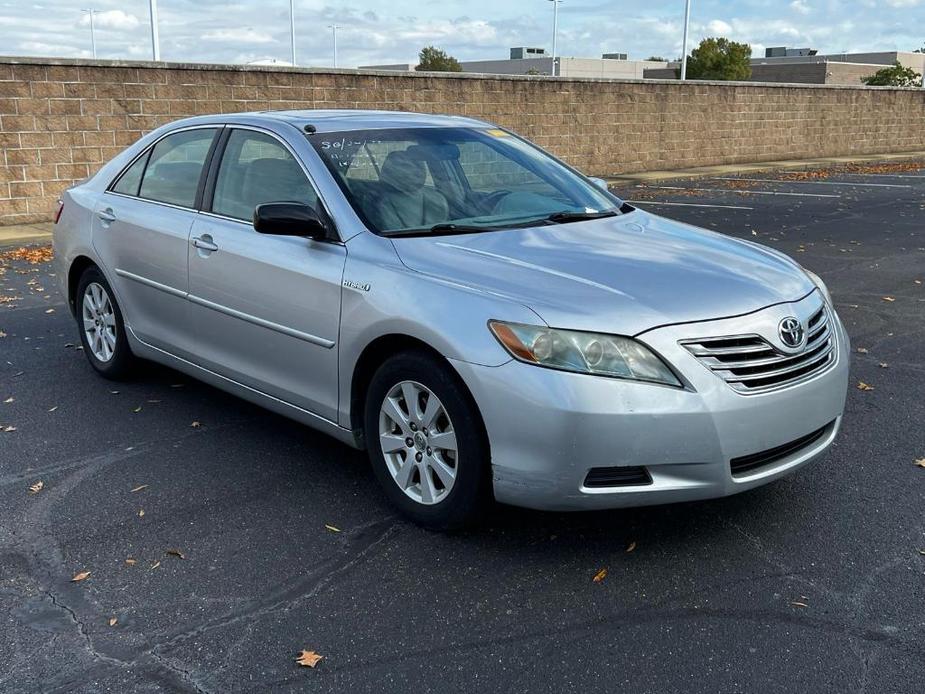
point(749, 463)
point(632, 476)
point(750, 364)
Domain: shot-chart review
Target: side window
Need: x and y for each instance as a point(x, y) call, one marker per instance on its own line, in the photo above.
point(175, 166)
point(129, 181)
point(255, 169)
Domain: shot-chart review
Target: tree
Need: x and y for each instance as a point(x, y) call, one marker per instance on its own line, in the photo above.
point(433, 59)
point(720, 59)
point(895, 76)
point(657, 59)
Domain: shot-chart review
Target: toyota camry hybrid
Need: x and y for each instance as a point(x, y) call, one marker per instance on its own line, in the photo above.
point(484, 320)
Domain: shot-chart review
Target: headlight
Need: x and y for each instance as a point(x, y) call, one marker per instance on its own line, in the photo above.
point(817, 280)
point(581, 352)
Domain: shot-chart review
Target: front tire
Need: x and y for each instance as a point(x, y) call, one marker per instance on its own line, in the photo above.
point(102, 330)
point(427, 442)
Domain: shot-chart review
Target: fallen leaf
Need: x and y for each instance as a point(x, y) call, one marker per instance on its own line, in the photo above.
point(864, 386)
point(600, 576)
point(308, 658)
point(80, 577)
point(920, 462)
point(155, 565)
point(112, 621)
point(141, 513)
point(631, 547)
point(9, 399)
point(2, 334)
point(196, 425)
point(884, 365)
point(799, 604)
point(53, 408)
point(922, 552)
point(862, 350)
point(51, 310)
point(131, 562)
point(176, 553)
point(7, 429)
point(332, 528)
point(37, 487)
point(889, 298)
point(137, 409)
point(139, 488)
point(916, 281)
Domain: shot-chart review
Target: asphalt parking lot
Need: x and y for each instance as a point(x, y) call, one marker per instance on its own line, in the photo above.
point(252, 538)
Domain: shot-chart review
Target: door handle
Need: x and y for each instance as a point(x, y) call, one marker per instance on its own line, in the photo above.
point(204, 243)
point(106, 215)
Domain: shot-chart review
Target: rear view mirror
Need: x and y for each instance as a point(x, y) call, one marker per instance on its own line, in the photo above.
point(289, 219)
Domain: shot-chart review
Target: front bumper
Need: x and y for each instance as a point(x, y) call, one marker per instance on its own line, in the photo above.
point(547, 429)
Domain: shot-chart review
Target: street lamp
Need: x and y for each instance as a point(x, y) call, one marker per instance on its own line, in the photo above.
point(334, 28)
point(292, 32)
point(555, 32)
point(155, 41)
point(687, 23)
point(92, 12)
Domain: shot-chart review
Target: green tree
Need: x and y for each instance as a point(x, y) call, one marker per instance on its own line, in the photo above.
point(720, 59)
point(657, 59)
point(895, 76)
point(433, 59)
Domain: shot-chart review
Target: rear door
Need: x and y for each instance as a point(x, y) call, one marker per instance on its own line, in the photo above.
point(141, 232)
point(266, 309)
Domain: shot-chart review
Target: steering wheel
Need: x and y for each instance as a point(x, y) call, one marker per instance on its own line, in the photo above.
point(494, 199)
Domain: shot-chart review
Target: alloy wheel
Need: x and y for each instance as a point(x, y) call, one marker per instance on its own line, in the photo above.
point(418, 442)
point(99, 322)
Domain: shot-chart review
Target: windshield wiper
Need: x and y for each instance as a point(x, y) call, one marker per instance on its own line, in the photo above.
point(444, 229)
point(568, 216)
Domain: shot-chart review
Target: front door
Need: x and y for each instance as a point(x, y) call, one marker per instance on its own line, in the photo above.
point(266, 309)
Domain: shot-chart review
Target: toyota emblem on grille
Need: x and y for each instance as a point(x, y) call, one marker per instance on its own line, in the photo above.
point(791, 332)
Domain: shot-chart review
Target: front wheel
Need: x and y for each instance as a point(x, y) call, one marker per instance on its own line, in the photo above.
point(102, 330)
point(427, 443)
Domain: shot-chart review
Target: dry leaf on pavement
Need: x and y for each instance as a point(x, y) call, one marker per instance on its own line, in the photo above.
point(80, 577)
point(112, 621)
point(920, 462)
point(332, 528)
point(884, 365)
point(176, 553)
point(889, 298)
point(139, 488)
point(155, 565)
point(600, 576)
point(308, 658)
point(864, 386)
point(37, 487)
point(799, 604)
point(196, 425)
point(631, 546)
point(862, 350)
point(9, 399)
point(141, 513)
point(131, 562)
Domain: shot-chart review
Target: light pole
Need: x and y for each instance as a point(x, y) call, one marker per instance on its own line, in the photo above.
point(91, 12)
point(555, 32)
point(687, 23)
point(155, 40)
point(334, 28)
point(292, 32)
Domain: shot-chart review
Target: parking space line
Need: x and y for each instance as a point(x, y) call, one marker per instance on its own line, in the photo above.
point(688, 204)
point(741, 192)
point(895, 175)
point(818, 183)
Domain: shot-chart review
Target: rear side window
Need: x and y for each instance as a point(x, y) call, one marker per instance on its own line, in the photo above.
point(175, 166)
point(130, 180)
point(255, 169)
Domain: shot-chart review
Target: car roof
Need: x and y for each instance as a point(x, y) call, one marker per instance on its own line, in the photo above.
point(336, 120)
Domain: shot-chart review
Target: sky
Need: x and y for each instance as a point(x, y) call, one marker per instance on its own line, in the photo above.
point(393, 31)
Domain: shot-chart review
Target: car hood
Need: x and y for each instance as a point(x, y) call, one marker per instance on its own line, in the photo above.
point(624, 274)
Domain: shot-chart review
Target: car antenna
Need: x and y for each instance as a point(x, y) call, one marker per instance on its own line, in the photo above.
point(309, 129)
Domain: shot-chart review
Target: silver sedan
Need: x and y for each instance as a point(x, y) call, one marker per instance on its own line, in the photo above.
point(483, 319)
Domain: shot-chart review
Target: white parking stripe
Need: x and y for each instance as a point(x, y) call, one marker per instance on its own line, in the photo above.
point(687, 204)
point(896, 175)
point(740, 192)
point(818, 183)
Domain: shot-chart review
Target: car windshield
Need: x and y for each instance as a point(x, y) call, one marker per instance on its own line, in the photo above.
point(455, 180)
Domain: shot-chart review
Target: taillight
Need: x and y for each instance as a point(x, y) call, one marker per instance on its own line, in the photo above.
point(60, 210)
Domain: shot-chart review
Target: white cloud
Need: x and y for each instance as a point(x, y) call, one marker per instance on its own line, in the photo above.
point(111, 19)
point(718, 27)
point(800, 7)
point(242, 35)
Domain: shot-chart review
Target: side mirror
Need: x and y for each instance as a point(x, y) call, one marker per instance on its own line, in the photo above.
point(289, 219)
point(599, 182)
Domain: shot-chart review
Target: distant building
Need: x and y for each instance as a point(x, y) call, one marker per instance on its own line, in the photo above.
point(537, 61)
point(804, 66)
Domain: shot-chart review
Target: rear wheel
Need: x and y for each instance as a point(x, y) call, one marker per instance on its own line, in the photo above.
point(426, 442)
point(102, 331)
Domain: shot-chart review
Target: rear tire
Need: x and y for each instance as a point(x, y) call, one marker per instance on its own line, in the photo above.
point(102, 330)
point(432, 457)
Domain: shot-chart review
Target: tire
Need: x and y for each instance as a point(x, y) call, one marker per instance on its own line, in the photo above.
point(102, 330)
point(450, 501)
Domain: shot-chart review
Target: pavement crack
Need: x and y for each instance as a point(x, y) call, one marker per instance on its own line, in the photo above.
point(81, 630)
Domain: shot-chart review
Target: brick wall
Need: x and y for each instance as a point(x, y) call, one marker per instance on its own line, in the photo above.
point(60, 119)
